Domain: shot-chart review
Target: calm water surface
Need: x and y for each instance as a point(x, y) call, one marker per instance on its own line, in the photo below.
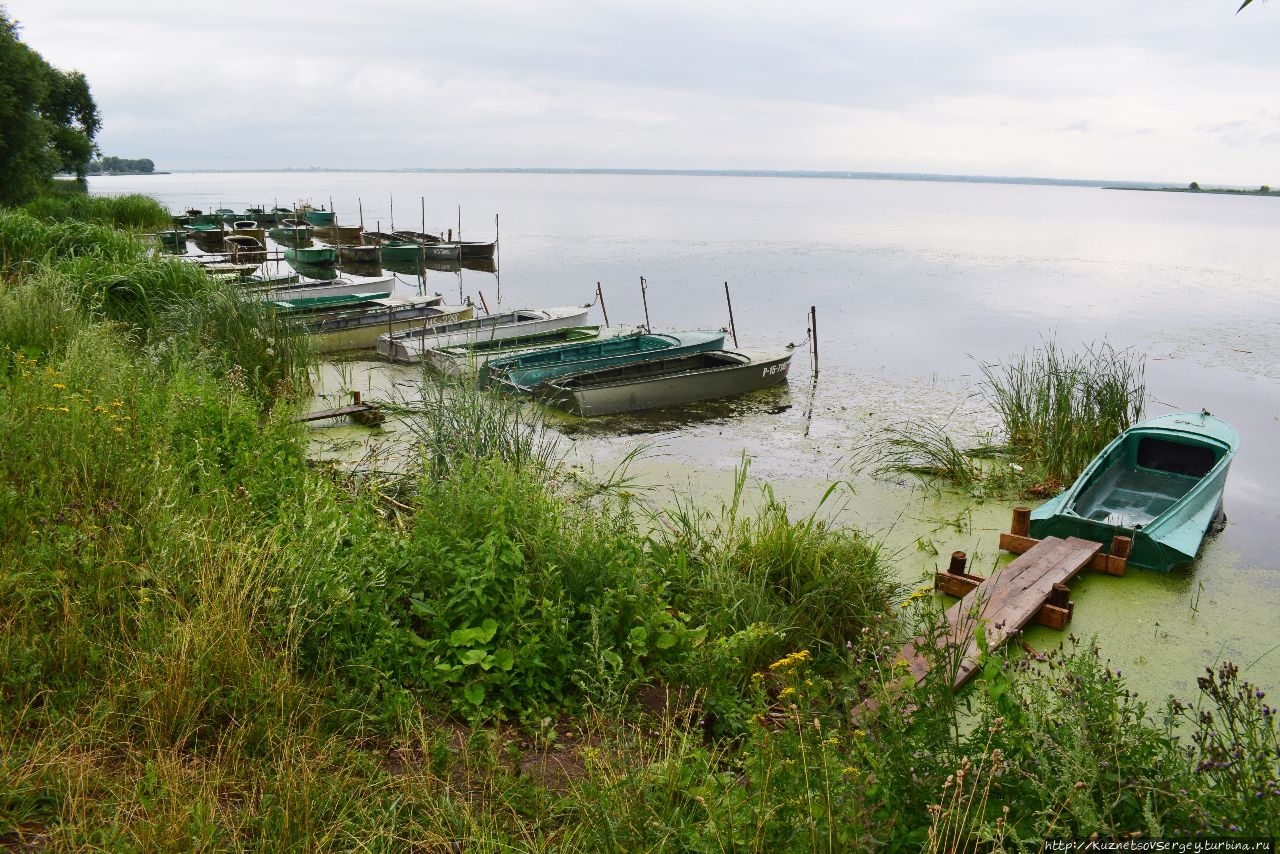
point(915, 284)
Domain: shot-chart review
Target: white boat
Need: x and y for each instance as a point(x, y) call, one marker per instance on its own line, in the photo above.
point(411, 346)
point(668, 382)
point(359, 328)
point(322, 290)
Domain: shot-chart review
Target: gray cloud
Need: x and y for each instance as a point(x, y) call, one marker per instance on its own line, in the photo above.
point(937, 85)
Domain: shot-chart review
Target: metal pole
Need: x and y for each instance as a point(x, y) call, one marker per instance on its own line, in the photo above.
point(392, 197)
point(424, 214)
point(483, 302)
point(459, 223)
point(603, 310)
point(645, 299)
point(732, 329)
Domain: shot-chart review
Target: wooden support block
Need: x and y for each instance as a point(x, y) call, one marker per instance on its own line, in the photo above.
point(1053, 616)
point(958, 561)
point(1121, 547)
point(1110, 564)
point(1016, 544)
point(959, 586)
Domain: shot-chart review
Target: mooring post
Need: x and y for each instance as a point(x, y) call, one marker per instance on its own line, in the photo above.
point(603, 310)
point(733, 330)
point(813, 332)
point(360, 206)
point(958, 562)
point(355, 398)
point(645, 299)
point(1021, 525)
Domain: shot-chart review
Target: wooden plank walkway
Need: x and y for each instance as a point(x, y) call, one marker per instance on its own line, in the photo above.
point(358, 411)
point(1007, 602)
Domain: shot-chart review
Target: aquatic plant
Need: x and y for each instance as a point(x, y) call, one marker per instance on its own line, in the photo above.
point(1058, 409)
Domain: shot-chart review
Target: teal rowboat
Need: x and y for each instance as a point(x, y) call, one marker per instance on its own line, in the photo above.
point(1159, 483)
point(315, 255)
point(525, 371)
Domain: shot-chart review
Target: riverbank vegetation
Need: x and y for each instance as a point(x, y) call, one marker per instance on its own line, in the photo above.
point(209, 642)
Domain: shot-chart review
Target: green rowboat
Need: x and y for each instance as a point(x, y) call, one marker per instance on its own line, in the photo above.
point(315, 255)
point(1159, 483)
point(525, 371)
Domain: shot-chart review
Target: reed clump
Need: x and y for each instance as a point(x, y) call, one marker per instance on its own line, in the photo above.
point(1055, 409)
point(1058, 409)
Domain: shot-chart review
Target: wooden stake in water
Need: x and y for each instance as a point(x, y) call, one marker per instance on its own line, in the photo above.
point(813, 332)
point(360, 204)
point(603, 310)
point(392, 198)
point(645, 299)
point(459, 225)
point(424, 214)
point(733, 330)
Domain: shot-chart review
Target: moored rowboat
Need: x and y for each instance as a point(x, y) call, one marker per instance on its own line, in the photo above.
point(410, 346)
point(524, 371)
point(1158, 483)
point(668, 382)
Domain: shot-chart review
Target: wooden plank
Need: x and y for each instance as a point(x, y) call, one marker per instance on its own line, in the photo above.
point(352, 410)
point(1108, 564)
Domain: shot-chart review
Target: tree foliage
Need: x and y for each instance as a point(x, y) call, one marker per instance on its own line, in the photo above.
point(122, 165)
point(48, 118)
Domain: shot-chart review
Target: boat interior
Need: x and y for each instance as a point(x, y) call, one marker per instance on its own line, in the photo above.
point(1143, 482)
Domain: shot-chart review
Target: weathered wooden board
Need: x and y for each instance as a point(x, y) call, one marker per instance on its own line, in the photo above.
point(1005, 603)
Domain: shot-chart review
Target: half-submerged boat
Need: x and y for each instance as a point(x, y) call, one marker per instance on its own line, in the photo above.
point(411, 345)
point(525, 371)
point(1158, 483)
point(671, 381)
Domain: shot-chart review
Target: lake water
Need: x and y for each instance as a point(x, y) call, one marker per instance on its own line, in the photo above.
point(915, 283)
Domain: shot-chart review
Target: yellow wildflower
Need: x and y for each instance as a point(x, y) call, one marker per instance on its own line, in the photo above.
point(116, 403)
point(118, 429)
point(786, 692)
point(792, 660)
point(59, 386)
point(64, 409)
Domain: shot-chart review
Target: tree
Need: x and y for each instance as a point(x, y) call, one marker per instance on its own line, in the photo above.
point(1193, 186)
point(48, 119)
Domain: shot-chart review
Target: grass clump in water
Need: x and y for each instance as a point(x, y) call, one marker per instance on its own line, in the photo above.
point(1056, 411)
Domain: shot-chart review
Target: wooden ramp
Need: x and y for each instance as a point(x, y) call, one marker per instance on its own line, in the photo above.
point(1032, 587)
point(358, 411)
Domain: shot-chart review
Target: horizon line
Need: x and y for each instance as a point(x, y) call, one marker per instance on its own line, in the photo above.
point(842, 174)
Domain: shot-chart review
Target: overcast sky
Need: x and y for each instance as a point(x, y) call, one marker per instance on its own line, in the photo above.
point(1159, 90)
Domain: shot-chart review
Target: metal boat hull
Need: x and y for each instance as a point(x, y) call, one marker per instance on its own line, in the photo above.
point(1159, 483)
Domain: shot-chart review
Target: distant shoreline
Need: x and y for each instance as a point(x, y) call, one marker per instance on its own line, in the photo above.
point(713, 173)
point(1220, 191)
point(741, 173)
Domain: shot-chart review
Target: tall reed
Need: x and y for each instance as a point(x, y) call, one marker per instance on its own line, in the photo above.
point(1059, 409)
